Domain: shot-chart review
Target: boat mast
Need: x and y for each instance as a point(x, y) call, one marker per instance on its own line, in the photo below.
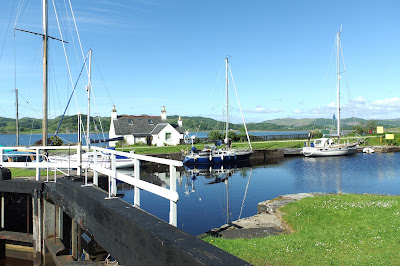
point(338, 83)
point(88, 87)
point(45, 76)
point(17, 118)
point(227, 105)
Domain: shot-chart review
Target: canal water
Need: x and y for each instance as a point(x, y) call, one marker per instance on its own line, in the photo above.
point(209, 198)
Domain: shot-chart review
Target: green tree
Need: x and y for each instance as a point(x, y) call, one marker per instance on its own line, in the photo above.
point(57, 141)
point(215, 135)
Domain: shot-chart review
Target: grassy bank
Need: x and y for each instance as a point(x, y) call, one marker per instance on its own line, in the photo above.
point(177, 149)
point(335, 229)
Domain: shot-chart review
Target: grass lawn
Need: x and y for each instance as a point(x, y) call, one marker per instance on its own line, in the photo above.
point(344, 229)
point(21, 172)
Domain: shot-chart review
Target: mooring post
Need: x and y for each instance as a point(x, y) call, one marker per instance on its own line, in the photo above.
point(37, 227)
point(136, 169)
point(173, 210)
point(2, 210)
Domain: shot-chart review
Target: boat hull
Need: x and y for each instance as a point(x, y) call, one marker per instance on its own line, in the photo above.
point(329, 151)
point(226, 157)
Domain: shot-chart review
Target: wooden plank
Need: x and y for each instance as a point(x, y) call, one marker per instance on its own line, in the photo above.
point(16, 236)
point(129, 234)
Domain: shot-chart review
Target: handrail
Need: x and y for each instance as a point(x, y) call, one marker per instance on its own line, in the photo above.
point(135, 181)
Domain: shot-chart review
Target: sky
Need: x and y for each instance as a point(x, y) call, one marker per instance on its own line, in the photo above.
point(150, 53)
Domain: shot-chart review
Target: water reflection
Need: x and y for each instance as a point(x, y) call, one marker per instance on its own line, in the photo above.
point(211, 197)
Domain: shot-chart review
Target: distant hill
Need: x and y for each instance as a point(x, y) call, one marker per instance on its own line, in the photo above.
point(70, 124)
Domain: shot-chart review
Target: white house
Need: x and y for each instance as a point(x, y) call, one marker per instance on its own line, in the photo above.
point(150, 130)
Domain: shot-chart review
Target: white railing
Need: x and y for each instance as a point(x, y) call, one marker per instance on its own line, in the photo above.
point(41, 162)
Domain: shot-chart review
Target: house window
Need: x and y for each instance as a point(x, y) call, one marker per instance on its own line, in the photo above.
point(150, 122)
point(167, 136)
point(130, 122)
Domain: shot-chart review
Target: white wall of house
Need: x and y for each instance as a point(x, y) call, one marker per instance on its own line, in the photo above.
point(111, 134)
point(168, 135)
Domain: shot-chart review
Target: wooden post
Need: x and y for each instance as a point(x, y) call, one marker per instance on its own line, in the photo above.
point(37, 227)
point(2, 210)
point(74, 240)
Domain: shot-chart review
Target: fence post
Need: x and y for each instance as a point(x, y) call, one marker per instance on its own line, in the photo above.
point(114, 175)
point(95, 174)
point(173, 210)
point(37, 163)
point(136, 169)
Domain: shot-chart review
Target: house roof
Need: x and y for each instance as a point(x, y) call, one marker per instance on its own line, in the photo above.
point(158, 128)
point(135, 125)
point(141, 125)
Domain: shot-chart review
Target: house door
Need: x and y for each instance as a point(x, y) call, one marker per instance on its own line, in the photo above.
point(148, 140)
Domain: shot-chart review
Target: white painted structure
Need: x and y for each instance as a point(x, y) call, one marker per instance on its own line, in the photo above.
point(150, 130)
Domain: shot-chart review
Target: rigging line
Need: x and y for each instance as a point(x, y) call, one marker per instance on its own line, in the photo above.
point(66, 58)
point(347, 84)
point(73, 93)
point(17, 13)
point(8, 27)
point(95, 106)
point(30, 136)
point(20, 10)
point(54, 80)
point(77, 33)
point(102, 77)
point(240, 107)
point(70, 29)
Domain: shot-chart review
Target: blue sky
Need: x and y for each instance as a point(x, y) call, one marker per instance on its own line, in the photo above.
point(149, 54)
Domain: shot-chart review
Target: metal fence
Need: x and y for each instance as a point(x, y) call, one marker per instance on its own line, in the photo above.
point(40, 160)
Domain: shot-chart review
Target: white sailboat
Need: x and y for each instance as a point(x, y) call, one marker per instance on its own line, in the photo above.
point(213, 154)
point(327, 146)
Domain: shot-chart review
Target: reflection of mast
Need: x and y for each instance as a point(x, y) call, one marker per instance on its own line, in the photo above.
point(227, 200)
point(338, 177)
point(245, 193)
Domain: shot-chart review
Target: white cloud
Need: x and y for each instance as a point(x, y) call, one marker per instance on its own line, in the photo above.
point(264, 110)
point(360, 100)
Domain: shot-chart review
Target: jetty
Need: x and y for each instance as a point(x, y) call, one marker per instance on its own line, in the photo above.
point(72, 220)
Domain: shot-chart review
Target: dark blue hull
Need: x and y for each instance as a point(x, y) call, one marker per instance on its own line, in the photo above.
point(216, 159)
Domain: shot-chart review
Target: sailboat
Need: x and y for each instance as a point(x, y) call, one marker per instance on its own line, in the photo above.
point(326, 146)
point(213, 154)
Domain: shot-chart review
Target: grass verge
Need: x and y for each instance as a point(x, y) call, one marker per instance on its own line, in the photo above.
point(344, 229)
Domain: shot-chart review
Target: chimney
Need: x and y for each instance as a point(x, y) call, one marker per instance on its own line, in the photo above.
point(179, 121)
point(113, 113)
point(163, 114)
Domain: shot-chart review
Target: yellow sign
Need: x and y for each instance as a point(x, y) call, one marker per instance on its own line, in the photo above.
point(379, 130)
point(389, 136)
